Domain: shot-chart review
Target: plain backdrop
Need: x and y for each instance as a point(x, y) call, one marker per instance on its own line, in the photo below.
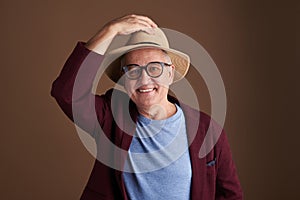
point(255, 45)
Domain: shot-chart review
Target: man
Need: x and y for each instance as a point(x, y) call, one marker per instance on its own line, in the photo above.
point(164, 140)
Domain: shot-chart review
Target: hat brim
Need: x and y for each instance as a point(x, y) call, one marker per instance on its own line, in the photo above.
point(112, 60)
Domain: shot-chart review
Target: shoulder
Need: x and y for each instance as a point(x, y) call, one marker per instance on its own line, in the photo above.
point(119, 102)
point(111, 100)
point(193, 116)
point(188, 110)
point(204, 133)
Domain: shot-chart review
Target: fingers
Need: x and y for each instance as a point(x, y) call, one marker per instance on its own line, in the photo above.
point(121, 26)
point(132, 23)
point(145, 19)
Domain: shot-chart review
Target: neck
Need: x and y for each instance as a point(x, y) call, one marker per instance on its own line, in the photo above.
point(158, 111)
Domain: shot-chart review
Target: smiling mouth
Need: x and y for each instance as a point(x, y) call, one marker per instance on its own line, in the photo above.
point(146, 90)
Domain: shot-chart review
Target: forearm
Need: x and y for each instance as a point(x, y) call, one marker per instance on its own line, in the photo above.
point(101, 41)
point(87, 63)
point(73, 88)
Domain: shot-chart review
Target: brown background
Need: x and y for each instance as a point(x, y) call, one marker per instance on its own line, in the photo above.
point(255, 44)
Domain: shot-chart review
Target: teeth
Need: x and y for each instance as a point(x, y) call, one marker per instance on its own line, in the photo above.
point(146, 90)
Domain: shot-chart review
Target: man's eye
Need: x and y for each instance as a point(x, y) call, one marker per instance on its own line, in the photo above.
point(134, 71)
point(154, 68)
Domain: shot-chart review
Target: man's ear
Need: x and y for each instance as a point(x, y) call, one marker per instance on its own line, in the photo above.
point(171, 73)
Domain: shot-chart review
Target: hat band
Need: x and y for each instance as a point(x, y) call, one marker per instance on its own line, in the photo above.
point(146, 43)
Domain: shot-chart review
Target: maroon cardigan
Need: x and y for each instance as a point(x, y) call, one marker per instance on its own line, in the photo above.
point(213, 177)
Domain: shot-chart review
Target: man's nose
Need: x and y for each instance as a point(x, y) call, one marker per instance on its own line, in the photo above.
point(144, 78)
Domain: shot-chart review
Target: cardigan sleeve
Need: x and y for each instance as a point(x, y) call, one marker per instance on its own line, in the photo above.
point(73, 89)
point(227, 184)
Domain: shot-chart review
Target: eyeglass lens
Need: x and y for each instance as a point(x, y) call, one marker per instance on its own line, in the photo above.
point(153, 69)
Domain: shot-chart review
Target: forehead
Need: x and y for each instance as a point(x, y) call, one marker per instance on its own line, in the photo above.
point(142, 56)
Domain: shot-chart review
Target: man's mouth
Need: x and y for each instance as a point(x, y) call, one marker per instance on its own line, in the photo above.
point(145, 90)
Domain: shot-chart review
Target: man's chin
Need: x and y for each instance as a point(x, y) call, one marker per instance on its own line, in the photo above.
point(144, 103)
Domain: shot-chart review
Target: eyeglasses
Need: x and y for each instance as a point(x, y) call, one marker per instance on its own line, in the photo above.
point(153, 69)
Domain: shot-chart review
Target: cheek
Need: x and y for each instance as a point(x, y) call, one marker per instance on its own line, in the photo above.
point(129, 86)
point(166, 79)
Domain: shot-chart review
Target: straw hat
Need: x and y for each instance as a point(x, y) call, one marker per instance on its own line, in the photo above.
point(140, 40)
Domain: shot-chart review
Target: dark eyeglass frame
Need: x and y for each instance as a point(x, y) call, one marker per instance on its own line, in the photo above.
point(163, 64)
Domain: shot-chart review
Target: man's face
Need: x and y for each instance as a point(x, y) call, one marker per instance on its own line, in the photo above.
point(147, 91)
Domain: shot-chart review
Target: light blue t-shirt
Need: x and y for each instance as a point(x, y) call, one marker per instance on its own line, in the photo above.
point(158, 166)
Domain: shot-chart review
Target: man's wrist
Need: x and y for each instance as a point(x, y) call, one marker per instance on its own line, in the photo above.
point(101, 40)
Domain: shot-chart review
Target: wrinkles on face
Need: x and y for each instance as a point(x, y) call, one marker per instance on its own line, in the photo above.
point(147, 91)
